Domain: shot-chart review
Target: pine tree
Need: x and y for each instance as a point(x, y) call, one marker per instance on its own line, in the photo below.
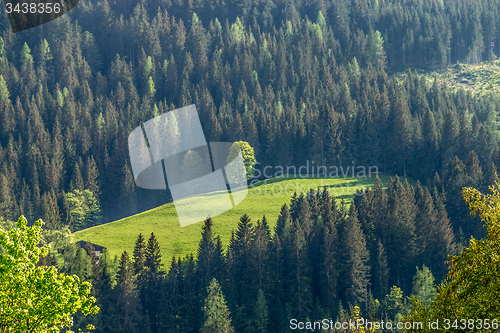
point(217, 316)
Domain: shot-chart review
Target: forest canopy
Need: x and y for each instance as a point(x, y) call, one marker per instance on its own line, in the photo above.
point(297, 81)
point(333, 83)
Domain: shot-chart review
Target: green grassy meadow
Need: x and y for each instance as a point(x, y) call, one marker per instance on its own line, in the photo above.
point(264, 198)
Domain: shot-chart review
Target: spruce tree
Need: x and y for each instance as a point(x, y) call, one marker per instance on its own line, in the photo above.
point(400, 139)
point(297, 274)
point(169, 315)
point(81, 265)
point(260, 254)
point(91, 177)
point(426, 227)
point(355, 261)
point(380, 272)
point(423, 285)
point(329, 268)
point(191, 305)
point(25, 59)
point(445, 237)
point(455, 178)
point(398, 235)
point(103, 291)
point(152, 260)
point(243, 289)
point(210, 256)
point(217, 316)
point(4, 93)
point(490, 176)
point(128, 310)
point(150, 279)
point(261, 313)
point(283, 220)
point(139, 256)
point(473, 168)
point(430, 146)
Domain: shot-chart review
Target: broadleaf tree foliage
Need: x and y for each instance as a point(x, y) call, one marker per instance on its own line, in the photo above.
point(35, 298)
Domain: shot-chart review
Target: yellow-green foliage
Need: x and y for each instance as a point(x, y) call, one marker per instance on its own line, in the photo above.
point(34, 298)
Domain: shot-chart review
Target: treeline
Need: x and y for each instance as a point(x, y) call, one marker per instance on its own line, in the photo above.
point(322, 257)
point(297, 89)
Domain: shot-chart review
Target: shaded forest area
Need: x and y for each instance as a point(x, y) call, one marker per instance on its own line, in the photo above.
point(298, 81)
point(320, 258)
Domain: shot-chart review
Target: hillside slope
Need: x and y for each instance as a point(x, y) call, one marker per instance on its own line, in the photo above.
point(263, 198)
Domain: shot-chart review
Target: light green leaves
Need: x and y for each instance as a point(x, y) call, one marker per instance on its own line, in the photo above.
point(36, 299)
point(84, 208)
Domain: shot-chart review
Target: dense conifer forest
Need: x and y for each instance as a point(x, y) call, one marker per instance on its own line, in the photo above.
point(301, 82)
point(321, 258)
point(297, 81)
